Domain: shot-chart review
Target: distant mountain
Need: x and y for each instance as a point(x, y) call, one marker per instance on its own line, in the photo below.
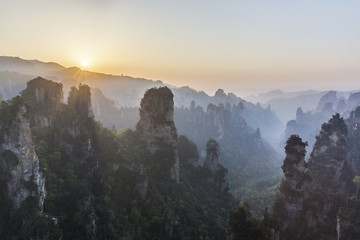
point(285, 107)
point(284, 104)
point(125, 91)
point(32, 67)
point(274, 94)
point(307, 124)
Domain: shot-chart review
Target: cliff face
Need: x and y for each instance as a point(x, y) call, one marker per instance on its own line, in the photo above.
point(243, 147)
point(79, 101)
point(46, 99)
point(71, 127)
point(156, 126)
point(218, 172)
point(329, 160)
point(293, 184)
point(312, 192)
point(79, 123)
point(18, 158)
point(353, 143)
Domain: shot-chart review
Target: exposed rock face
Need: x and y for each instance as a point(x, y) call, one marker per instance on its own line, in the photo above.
point(19, 160)
point(88, 215)
point(329, 161)
point(220, 117)
point(353, 142)
point(79, 123)
point(225, 124)
point(212, 156)
point(79, 101)
point(156, 125)
point(46, 99)
point(218, 172)
point(307, 125)
point(343, 224)
point(292, 186)
point(311, 193)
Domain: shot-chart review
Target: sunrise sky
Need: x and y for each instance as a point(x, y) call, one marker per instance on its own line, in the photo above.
point(243, 47)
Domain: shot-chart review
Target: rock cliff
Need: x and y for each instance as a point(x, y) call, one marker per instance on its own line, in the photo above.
point(312, 192)
point(293, 184)
point(329, 163)
point(219, 174)
point(18, 159)
point(156, 126)
point(46, 99)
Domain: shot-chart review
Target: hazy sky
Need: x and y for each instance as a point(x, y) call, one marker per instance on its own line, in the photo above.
point(240, 46)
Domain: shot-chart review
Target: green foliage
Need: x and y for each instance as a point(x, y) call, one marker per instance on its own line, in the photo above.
point(243, 226)
point(356, 180)
point(94, 175)
point(259, 195)
point(247, 157)
point(294, 144)
point(187, 149)
point(8, 112)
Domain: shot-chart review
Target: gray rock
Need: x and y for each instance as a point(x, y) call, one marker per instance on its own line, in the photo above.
point(26, 178)
point(156, 126)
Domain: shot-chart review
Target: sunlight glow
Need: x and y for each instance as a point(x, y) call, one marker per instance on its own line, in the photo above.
point(85, 63)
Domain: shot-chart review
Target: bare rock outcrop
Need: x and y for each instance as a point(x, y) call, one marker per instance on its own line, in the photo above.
point(293, 184)
point(156, 126)
point(329, 163)
point(18, 158)
point(46, 99)
point(219, 174)
point(312, 193)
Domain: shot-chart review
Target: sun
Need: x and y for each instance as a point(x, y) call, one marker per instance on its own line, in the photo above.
point(85, 63)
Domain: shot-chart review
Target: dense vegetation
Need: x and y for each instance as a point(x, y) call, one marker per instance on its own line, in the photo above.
point(103, 184)
point(106, 184)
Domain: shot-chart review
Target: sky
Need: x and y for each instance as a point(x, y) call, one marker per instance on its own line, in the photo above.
point(245, 47)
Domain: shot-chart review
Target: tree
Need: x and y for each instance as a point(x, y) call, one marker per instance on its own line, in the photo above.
point(243, 226)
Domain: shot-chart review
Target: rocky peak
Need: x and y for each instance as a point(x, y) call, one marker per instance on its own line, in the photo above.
point(156, 126)
point(45, 98)
point(354, 116)
point(18, 159)
point(353, 143)
point(220, 117)
point(212, 156)
point(300, 115)
point(294, 164)
point(309, 192)
point(79, 101)
point(293, 185)
point(257, 134)
point(220, 93)
point(218, 172)
point(328, 161)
